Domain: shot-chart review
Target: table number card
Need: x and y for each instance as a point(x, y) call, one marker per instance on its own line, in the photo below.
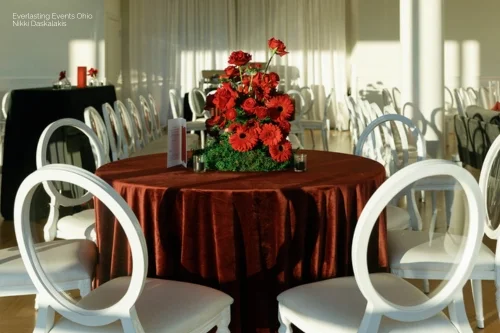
point(177, 149)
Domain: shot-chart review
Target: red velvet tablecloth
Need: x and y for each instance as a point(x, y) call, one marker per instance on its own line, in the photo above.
point(251, 235)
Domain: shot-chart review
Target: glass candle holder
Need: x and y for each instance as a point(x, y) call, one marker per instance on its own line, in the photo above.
point(300, 162)
point(199, 163)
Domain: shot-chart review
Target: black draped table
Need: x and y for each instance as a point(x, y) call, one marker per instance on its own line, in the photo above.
point(30, 112)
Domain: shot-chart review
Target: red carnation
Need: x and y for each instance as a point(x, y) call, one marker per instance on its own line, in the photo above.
point(270, 135)
point(277, 46)
point(242, 140)
point(280, 107)
point(93, 72)
point(239, 58)
point(231, 114)
point(261, 112)
point(62, 75)
point(281, 152)
point(249, 105)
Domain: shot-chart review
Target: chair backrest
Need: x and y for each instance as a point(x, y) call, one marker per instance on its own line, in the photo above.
point(156, 114)
point(472, 95)
point(460, 103)
point(94, 120)
point(396, 97)
point(489, 182)
point(448, 98)
point(377, 305)
point(300, 103)
point(330, 102)
point(129, 129)
point(149, 118)
point(175, 103)
point(465, 97)
point(124, 308)
point(386, 97)
point(114, 127)
point(142, 137)
point(196, 99)
point(484, 94)
point(6, 105)
point(308, 95)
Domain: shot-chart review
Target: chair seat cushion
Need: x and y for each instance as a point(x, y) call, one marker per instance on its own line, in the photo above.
point(337, 305)
point(163, 306)
point(410, 249)
point(397, 218)
point(62, 260)
point(77, 226)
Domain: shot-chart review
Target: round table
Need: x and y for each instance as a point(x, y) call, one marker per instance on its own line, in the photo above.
point(251, 235)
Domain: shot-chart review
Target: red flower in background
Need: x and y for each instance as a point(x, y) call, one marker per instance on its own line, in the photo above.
point(282, 107)
point(261, 112)
point(281, 152)
point(224, 99)
point(231, 71)
point(277, 46)
point(253, 126)
point(285, 127)
point(62, 75)
point(249, 105)
point(243, 140)
point(239, 58)
point(231, 114)
point(93, 72)
point(218, 121)
point(270, 135)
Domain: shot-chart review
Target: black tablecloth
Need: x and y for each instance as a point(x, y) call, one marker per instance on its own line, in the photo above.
point(31, 111)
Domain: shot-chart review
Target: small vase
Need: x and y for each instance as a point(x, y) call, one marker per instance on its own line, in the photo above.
point(65, 84)
point(93, 82)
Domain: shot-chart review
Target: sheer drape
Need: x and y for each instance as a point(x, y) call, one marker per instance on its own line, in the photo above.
point(168, 43)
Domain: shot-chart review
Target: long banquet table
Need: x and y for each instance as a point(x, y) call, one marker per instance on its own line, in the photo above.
point(30, 112)
point(251, 235)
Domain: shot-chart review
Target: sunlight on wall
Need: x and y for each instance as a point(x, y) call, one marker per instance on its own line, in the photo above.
point(81, 52)
point(452, 64)
point(471, 63)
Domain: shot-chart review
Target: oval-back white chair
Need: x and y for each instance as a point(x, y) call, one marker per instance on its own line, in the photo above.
point(386, 97)
point(149, 119)
point(448, 99)
point(80, 225)
point(300, 106)
point(365, 303)
point(140, 124)
point(396, 97)
point(6, 105)
point(196, 99)
point(472, 95)
point(309, 99)
point(157, 115)
point(465, 97)
point(353, 121)
point(114, 127)
point(460, 103)
point(129, 129)
point(94, 120)
point(175, 104)
point(125, 304)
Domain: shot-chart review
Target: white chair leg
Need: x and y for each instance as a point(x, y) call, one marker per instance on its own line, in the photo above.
point(202, 134)
point(285, 324)
point(427, 288)
point(477, 295)
point(449, 196)
point(312, 138)
point(422, 196)
point(44, 319)
point(225, 319)
point(36, 302)
point(458, 316)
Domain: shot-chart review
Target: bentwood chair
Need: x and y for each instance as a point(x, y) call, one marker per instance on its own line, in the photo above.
point(94, 121)
point(124, 304)
point(116, 135)
point(80, 225)
point(129, 130)
point(149, 118)
point(383, 302)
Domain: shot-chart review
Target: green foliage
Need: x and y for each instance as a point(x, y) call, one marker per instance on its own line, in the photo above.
point(219, 155)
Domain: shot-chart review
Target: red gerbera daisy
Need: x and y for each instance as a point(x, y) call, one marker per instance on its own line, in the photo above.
point(283, 104)
point(281, 152)
point(270, 135)
point(243, 140)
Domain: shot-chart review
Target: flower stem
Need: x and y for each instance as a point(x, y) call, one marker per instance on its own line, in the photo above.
point(269, 61)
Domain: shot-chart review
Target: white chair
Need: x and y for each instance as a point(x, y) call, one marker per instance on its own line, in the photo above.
point(384, 302)
point(149, 119)
point(382, 148)
point(323, 125)
point(196, 99)
point(300, 106)
point(486, 101)
point(396, 97)
point(94, 120)
point(6, 105)
point(387, 98)
point(80, 225)
point(472, 95)
point(129, 129)
point(114, 127)
point(142, 137)
point(158, 115)
point(125, 304)
point(175, 103)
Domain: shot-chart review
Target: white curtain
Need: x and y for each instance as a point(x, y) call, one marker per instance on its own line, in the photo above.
point(168, 43)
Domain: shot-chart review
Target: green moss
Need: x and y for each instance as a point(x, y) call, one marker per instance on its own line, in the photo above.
point(219, 155)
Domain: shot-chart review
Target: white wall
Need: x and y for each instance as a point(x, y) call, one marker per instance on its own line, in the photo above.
point(470, 31)
point(33, 56)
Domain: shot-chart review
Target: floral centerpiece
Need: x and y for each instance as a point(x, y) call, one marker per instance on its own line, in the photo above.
point(250, 128)
point(93, 76)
